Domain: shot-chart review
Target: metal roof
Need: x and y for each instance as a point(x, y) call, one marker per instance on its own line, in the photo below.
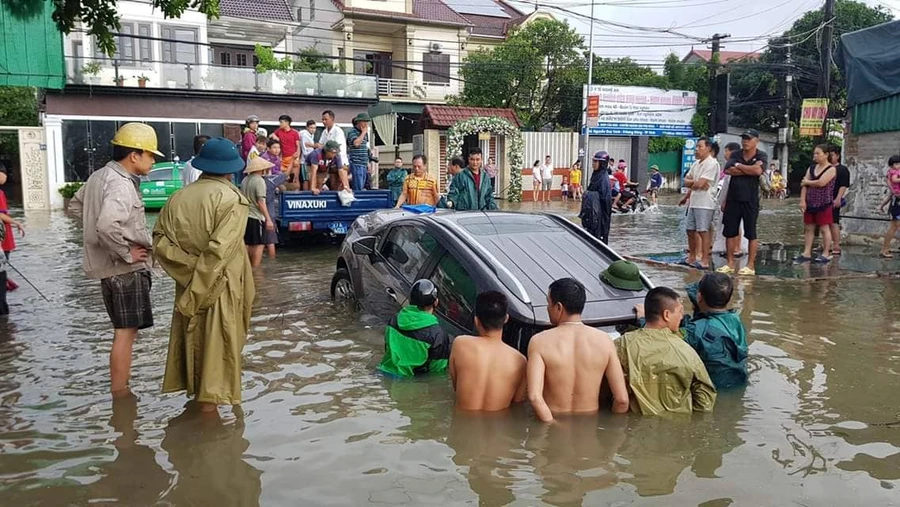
point(263, 10)
point(447, 116)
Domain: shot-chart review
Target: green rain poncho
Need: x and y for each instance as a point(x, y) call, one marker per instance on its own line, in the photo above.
point(414, 343)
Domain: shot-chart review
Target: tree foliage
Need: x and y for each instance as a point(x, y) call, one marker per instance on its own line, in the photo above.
point(757, 87)
point(528, 72)
point(308, 60)
point(19, 107)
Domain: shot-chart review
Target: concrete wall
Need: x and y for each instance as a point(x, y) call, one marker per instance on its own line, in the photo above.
point(866, 156)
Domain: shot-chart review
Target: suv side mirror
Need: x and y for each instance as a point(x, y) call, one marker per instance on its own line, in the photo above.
point(364, 245)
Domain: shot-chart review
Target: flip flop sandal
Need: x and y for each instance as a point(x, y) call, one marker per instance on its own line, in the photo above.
point(822, 260)
point(701, 267)
point(886, 256)
point(835, 252)
point(800, 259)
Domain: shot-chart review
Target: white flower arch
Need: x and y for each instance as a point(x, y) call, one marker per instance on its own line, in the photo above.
point(515, 146)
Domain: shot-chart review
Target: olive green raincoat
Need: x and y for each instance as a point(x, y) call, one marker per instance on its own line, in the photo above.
point(664, 374)
point(199, 241)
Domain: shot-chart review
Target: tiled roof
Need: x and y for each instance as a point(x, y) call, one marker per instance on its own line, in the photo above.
point(446, 116)
point(433, 11)
point(492, 26)
point(724, 56)
point(264, 10)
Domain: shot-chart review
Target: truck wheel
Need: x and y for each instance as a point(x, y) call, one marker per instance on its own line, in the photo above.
point(342, 287)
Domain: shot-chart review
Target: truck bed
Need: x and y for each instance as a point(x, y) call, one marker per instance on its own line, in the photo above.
point(301, 211)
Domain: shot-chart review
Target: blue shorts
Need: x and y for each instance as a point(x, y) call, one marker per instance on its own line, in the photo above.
point(359, 172)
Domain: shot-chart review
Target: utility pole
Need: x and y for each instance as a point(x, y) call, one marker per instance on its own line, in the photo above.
point(713, 65)
point(586, 163)
point(786, 120)
point(827, 36)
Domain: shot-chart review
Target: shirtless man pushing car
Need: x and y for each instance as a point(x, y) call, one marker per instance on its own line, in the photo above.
point(567, 364)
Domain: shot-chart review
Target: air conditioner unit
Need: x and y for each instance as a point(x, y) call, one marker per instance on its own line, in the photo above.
point(436, 47)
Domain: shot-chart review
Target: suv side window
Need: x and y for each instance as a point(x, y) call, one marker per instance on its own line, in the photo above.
point(406, 248)
point(161, 175)
point(456, 292)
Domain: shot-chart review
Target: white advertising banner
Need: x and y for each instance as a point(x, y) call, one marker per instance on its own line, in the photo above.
point(642, 111)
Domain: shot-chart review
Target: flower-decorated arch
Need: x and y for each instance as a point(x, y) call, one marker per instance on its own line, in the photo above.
point(515, 146)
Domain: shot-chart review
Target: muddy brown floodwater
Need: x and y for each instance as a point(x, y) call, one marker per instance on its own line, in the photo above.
point(818, 424)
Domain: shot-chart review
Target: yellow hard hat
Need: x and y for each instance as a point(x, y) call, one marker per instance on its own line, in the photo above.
point(137, 135)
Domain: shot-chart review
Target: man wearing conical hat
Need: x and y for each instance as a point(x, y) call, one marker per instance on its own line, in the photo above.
point(117, 242)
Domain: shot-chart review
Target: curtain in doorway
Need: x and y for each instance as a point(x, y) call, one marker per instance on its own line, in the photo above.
point(386, 126)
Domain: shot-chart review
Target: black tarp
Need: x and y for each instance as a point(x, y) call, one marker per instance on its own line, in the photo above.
point(870, 62)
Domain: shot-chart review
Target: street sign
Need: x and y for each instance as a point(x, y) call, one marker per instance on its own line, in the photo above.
point(593, 109)
point(813, 116)
point(688, 156)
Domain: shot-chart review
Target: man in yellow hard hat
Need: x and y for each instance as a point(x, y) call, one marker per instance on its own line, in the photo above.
point(117, 242)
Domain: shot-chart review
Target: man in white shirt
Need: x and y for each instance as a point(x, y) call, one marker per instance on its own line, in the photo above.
point(333, 133)
point(701, 180)
point(546, 179)
point(188, 173)
point(308, 139)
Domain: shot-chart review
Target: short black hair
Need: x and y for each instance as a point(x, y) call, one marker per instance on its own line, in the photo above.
point(491, 308)
point(716, 289)
point(476, 151)
point(199, 141)
point(705, 140)
point(657, 301)
point(733, 147)
point(120, 153)
point(714, 146)
point(286, 118)
point(329, 112)
point(570, 293)
point(833, 148)
point(895, 159)
point(273, 142)
point(261, 138)
point(310, 122)
point(458, 162)
point(423, 158)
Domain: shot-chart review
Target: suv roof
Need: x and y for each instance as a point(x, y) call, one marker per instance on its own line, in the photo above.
point(538, 248)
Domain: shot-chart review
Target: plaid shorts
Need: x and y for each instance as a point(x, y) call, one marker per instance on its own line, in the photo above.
point(127, 299)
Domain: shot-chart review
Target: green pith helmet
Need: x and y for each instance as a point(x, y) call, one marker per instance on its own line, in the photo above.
point(623, 275)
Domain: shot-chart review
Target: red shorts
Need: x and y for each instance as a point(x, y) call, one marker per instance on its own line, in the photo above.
point(824, 217)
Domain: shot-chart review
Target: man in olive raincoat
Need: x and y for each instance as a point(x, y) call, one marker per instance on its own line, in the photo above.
point(471, 189)
point(199, 241)
point(596, 203)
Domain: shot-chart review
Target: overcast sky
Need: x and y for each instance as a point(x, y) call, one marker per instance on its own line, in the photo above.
point(750, 23)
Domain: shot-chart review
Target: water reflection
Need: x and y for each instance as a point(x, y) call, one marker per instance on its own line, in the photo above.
point(817, 423)
point(207, 454)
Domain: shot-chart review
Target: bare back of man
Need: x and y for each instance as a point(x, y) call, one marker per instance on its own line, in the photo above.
point(487, 374)
point(566, 367)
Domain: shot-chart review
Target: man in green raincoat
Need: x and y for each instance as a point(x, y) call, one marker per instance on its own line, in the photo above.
point(199, 241)
point(414, 342)
point(395, 179)
point(471, 189)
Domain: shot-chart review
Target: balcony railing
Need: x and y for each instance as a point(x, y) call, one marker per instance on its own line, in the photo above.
point(194, 76)
point(414, 90)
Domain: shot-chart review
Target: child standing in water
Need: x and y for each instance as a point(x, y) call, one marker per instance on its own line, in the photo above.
point(893, 178)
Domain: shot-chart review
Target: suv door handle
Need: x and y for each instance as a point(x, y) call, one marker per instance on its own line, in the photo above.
point(390, 292)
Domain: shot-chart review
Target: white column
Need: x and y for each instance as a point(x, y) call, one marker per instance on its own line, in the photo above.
point(56, 170)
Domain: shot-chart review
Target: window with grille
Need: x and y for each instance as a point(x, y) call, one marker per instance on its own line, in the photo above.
point(436, 68)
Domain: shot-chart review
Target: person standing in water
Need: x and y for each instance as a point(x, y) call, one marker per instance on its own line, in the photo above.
point(487, 374)
point(117, 241)
point(199, 242)
point(567, 364)
point(596, 204)
point(817, 204)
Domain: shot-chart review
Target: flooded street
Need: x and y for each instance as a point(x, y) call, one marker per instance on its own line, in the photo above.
point(818, 424)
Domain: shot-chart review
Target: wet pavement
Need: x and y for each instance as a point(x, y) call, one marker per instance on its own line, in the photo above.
point(819, 423)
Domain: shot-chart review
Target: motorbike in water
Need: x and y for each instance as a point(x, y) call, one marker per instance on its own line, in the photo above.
point(639, 202)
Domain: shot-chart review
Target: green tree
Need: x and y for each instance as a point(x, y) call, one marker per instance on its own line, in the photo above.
point(100, 16)
point(527, 72)
point(19, 107)
point(757, 87)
